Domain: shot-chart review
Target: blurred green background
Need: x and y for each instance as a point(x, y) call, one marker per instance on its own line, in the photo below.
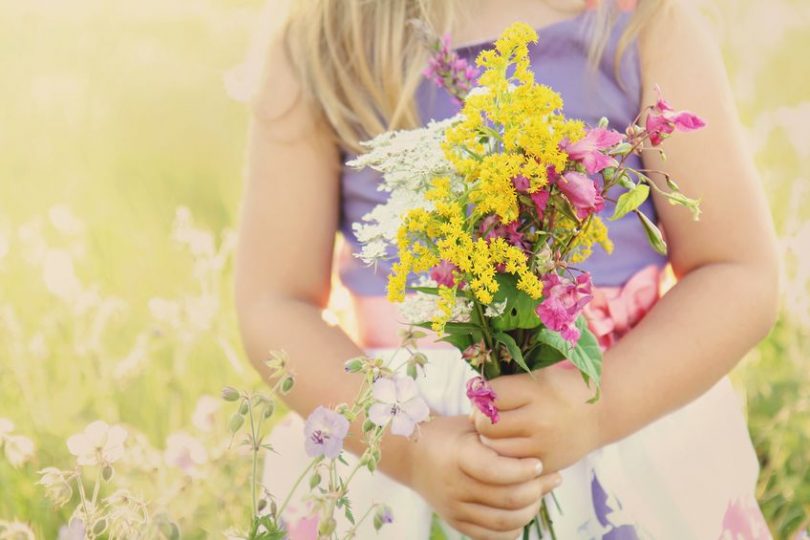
point(121, 155)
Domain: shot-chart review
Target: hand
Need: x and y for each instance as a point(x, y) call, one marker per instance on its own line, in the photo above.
point(543, 415)
point(479, 493)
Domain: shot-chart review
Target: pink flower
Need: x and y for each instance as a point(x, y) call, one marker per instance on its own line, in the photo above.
point(483, 396)
point(564, 301)
point(588, 150)
point(540, 200)
point(521, 183)
point(443, 273)
point(581, 192)
point(663, 120)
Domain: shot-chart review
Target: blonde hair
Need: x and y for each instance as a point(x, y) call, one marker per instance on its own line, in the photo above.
point(359, 62)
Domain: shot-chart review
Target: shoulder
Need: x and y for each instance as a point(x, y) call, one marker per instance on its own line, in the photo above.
point(280, 103)
point(678, 36)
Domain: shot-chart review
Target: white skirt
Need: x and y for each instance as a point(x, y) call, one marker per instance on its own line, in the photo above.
point(689, 475)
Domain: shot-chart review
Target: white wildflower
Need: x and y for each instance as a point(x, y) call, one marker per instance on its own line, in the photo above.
point(65, 221)
point(6, 427)
point(72, 531)
point(57, 485)
point(15, 530)
point(98, 444)
point(186, 453)
point(59, 275)
point(408, 161)
point(128, 515)
point(205, 413)
point(19, 449)
point(422, 307)
point(495, 309)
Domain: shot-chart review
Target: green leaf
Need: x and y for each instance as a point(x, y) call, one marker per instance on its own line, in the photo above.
point(514, 350)
point(459, 341)
point(426, 290)
point(654, 235)
point(630, 200)
point(692, 204)
point(585, 355)
point(519, 311)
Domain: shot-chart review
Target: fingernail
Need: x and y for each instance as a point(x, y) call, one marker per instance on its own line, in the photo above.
point(558, 481)
point(538, 468)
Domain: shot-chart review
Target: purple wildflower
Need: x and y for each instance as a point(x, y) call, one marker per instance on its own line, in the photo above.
point(325, 430)
point(398, 401)
point(449, 71)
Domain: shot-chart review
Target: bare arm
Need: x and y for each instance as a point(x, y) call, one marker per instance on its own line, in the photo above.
point(726, 297)
point(284, 257)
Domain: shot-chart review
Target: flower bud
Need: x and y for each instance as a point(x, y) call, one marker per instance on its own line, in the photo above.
point(229, 393)
point(287, 384)
point(273, 508)
point(314, 481)
point(236, 422)
point(268, 409)
point(382, 515)
point(355, 365)
point(243, 408)
point(603, 123)
point(99, 527)
point(327, 526)
point(368, 425)
point(107, 472)
point(261, 505)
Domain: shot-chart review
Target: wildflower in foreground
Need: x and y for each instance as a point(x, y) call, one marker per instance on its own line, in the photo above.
point(483, 397)
point(582, 192)
point(186, 453)
point(57, 488)
point(18, 448)
point(398, 401)
point(15, 530)
point(98, 444)
point(324, 431)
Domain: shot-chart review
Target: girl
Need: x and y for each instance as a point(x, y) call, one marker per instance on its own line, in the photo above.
point(665, 453)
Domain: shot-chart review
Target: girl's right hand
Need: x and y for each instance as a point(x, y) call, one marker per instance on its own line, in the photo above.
point(478, 492)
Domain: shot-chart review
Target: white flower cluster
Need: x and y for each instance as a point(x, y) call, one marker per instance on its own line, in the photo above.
point(420, 307)
point(19, 449)
point(408, 161)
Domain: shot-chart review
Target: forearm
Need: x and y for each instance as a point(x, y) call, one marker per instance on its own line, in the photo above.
point(695, 335)
point(317, 353)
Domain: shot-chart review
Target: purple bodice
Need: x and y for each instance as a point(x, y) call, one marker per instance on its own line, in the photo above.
point(559, 60)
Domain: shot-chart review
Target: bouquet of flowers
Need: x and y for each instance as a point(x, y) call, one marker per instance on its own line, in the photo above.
point(491, 211)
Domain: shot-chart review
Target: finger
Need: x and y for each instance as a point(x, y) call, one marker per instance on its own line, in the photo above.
point(513, 447)
point(479, 533)
point(485, 465)
point(510, 424)
point(496, 519)
point(511, 497)
point(514, 391)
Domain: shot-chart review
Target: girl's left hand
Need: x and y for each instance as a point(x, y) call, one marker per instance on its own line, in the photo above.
point(544, 415)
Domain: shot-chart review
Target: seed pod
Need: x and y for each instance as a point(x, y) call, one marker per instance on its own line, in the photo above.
point(288, 384)
point(261, 505)
point(236, 422)
point(314, 481)
point(99, 527)
point(107, 472)
point(268, 409)
point(327, 526)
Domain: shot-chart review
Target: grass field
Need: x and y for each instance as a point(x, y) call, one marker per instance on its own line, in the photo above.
point(120, 175)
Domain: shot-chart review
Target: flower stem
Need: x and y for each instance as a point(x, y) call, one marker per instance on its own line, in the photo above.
point(293, 488)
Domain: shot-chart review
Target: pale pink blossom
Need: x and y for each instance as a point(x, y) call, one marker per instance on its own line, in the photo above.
point(398, 401)
point(205, 413)
point(186, 453)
